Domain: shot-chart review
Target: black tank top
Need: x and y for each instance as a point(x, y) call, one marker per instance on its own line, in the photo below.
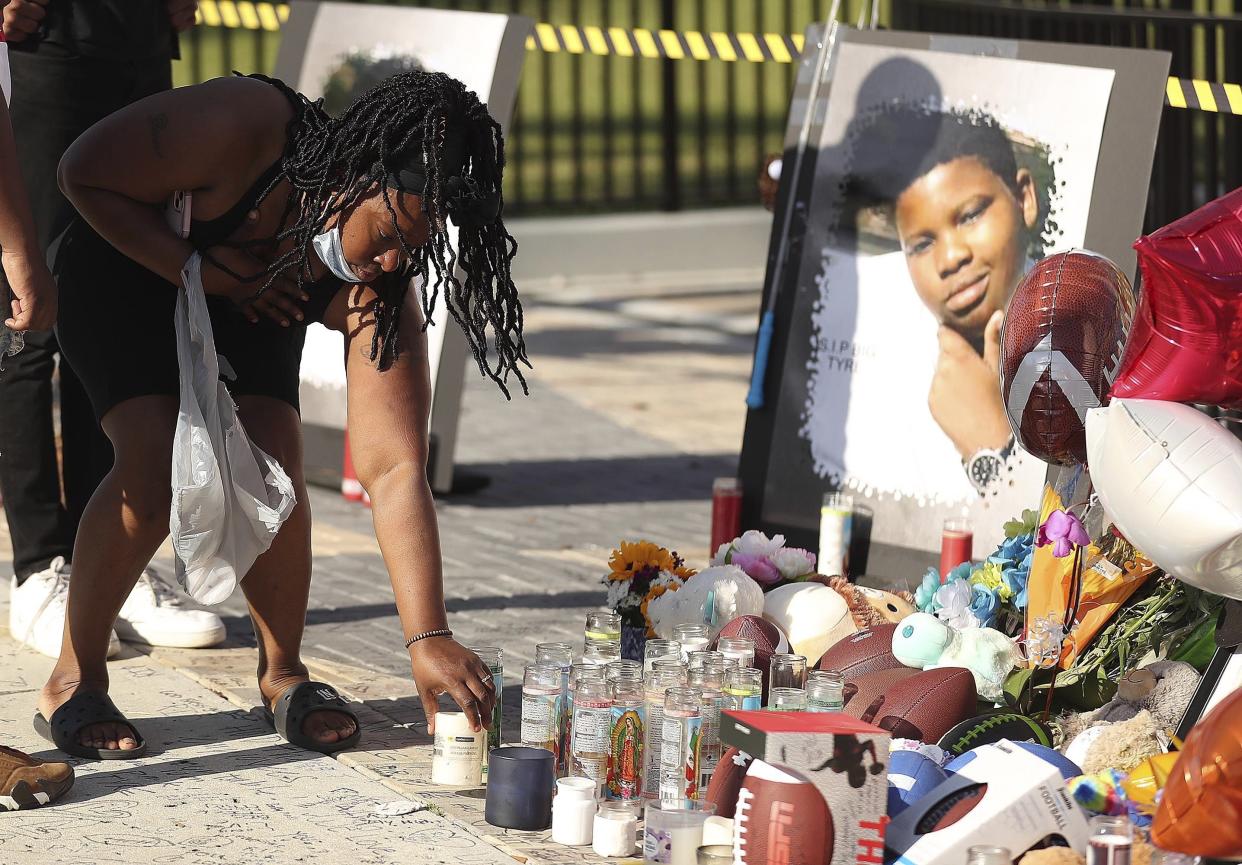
point(207, 233)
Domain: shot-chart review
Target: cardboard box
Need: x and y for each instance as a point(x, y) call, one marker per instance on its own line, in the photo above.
point(845, 758)
point(1005, 796)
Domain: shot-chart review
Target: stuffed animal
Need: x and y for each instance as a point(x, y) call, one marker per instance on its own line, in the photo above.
point(924, 642)
point(869, 607)
point(731, 591)
point(812, 616)
point(1117, 745)
point(1163, 688)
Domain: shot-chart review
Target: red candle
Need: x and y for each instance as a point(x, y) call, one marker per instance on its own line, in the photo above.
point(726, 511)
point(956, 544)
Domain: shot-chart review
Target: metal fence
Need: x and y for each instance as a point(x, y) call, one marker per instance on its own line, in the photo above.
point(1197, 153)
point(608, 133)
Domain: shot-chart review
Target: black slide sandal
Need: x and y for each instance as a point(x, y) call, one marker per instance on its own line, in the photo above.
point(81, 710)
point(299, 701)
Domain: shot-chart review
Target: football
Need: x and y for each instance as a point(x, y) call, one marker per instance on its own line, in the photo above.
point(864, 690)
point(867, 651)
point(722, 790)
point(781, 818)
point(924, 705)
point(911, 776)
point(769, 640)
point(992, 727)
point(1065, 327)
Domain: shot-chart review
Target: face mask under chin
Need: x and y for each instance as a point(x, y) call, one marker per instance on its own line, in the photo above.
point(331, 252)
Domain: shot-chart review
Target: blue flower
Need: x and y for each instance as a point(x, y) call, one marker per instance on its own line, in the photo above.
point(984, 604)
point(1013, 549)
point(925, 594)
point(1015, 579)
point(961, 572)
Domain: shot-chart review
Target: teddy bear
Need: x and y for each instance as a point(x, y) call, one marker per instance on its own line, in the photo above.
point(1135, 724)
point(924, 642)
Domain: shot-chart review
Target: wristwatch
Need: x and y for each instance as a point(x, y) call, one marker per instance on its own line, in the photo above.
point(985, 466)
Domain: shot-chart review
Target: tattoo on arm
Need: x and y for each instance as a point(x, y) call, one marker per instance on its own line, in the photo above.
point(158, 123)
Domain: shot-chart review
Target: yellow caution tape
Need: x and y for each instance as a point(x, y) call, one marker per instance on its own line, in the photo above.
point(1191, 93)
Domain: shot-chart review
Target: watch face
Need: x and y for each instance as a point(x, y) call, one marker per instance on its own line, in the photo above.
point(985, 469)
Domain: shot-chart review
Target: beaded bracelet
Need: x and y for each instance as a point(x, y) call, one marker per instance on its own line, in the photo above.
point(439, 632)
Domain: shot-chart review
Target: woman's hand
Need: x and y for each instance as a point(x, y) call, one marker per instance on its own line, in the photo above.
point(280, 302)
point(965, 398)
point(443, 666)
point(34, 291)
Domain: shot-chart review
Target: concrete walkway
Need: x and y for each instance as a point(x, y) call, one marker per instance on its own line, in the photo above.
point(216, 786)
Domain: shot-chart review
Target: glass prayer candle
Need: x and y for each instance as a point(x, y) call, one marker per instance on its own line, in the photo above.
point(625, 746)
point(739, 650)
point(956, 544)
point(1109, 840)
point(541, 707)
point(726, 511)
point(787, 700)
point(592, 721)
point(660, 650)
point(683, 722)
point(493, 657)
point(787, 671)
point(743, 689)
point(655, 689)
point(693, 638)
point(603, 628)
point(835, 524)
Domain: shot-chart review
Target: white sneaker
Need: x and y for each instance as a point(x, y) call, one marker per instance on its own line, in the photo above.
point(37, 610)
point(153, 614)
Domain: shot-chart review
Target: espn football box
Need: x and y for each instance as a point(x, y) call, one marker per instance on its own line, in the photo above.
point(846, 759)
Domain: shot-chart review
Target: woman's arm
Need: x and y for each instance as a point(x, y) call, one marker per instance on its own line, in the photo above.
point(34, 293)
point(388, 415)
point(211, 139)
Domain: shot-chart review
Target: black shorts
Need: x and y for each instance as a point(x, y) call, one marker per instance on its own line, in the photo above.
point(116, 329)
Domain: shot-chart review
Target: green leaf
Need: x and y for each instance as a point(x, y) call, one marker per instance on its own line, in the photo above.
point(1197, 648)
point(1015, 687)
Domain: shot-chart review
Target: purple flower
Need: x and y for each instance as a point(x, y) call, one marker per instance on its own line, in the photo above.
point(759, 568)
point(1064, 531)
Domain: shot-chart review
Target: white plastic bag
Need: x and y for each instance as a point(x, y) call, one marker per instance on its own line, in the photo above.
point(228, 497)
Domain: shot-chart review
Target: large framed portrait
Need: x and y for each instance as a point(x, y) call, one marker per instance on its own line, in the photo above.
point(940, 170)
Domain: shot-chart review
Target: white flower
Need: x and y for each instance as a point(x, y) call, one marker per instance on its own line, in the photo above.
point(722, 554)
point(792, 563)
point(954, 600)
point(755, 543)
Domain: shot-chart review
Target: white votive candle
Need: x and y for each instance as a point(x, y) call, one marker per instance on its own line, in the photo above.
point(457, 760)
point(616, 829)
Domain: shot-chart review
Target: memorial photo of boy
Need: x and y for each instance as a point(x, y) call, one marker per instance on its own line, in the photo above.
point(970, 220)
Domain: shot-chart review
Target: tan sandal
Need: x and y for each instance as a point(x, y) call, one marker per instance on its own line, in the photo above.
point(29, 783)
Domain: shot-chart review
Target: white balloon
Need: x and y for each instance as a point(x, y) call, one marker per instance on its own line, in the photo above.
point(1170, 477)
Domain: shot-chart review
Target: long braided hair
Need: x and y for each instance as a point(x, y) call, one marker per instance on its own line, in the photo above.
point(430, 121)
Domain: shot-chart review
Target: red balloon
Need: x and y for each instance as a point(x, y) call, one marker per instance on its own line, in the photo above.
point(1200, 811)
point(1186, 344)
point(1065, 326)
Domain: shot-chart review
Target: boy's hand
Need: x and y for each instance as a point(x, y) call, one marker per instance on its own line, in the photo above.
point(34, 292)
point(22, 18)
point(965, 397)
